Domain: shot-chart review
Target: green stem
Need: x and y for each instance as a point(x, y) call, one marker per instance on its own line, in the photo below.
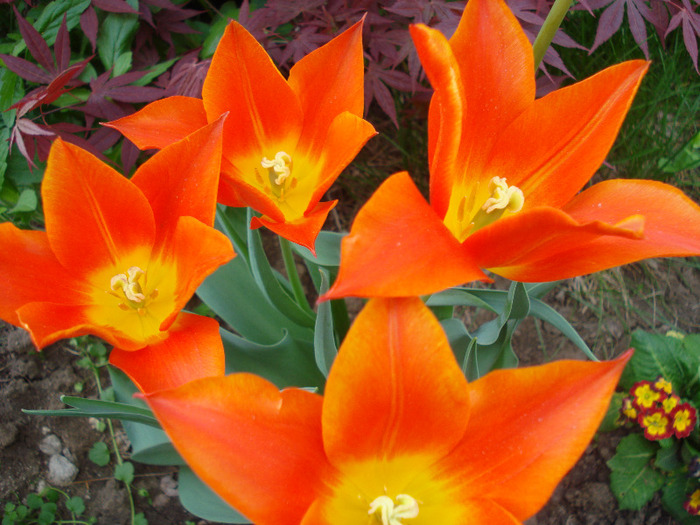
point(549, 28)
point(292, 273)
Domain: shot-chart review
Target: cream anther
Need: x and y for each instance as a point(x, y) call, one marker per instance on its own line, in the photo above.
point(128, 284)
point(384, 508)
point(503, 196)
point(281, 165)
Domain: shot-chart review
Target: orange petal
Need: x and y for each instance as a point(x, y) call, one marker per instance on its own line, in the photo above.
point(329, 81)
point(243, 81)
point(671, 220)
point(94, 215)
point(446, 112)
point(528, 427)
point(303, 231)
point(546, 244)
point(346, 137)
point(183, 179)
point(552, 150)
point(198, 250)
point(30, 272)
point(192, 350)
point(162, 122)
point(497, 71)
point(395, 388)
point(258, 448)
point(398, 247)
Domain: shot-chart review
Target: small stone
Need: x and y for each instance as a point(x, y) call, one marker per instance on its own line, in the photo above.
point(161, 500)
point(169, 486)
point(8, 434)
point(50, 445)
point(61, 471)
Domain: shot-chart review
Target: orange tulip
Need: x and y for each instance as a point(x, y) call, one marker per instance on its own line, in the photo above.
point(399, 435)
point(120, 258)
point(285, 141)
point(505, 172)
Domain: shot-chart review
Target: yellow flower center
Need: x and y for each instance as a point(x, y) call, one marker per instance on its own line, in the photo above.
point(128, 286)
point(499, 199)
point(384, 510)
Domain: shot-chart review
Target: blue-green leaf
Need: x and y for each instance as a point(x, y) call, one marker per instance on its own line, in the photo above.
point(325, 345)
point(201, 501)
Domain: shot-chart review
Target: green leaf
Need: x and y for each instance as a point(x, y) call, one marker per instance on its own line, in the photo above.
point(216, 30)
point(97, 408)
point(52, 15)
point(657, 355)
point(325, 345)
point(34, 501)
point(269, 282)
point(27, 201)
point(482, 359)
point(148, 444)
point(327, 250)
point(154, 72)
point(233, 294)
point(668, 458)
point(611, 420)
point(99, 454)
point(458, 336)
point(199, 499)
point(140, 519)
point(115, 35)
point(76, 505)
point(124, 472)
point(675, 494)
point(633, 480)
point(122, 64)
point(286, 362)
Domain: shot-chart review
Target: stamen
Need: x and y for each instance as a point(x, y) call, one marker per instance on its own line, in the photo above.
point(384, 509)
point(281, 165)
point(503, 196)
point(129, 284)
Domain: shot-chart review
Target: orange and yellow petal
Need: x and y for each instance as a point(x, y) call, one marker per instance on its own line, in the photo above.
point(569, 133)
point(30, 273)
point(263, 110)
point(192, 350)
point(196, 251)
point(182, 180)
point(301, 231)
point(329, 81)
point(546, 244)
point(258, 448)
point(94, 215)
point(398, 247)
point(527, 428)
point(162, 122)
point(408, 396)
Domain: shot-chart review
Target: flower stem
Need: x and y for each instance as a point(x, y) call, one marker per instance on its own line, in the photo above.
point(549, 28)
point(292, 274)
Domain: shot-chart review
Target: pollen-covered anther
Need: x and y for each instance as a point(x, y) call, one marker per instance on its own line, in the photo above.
point(388, 513)
point(503, 197)
point(281, 165)
point(129, 286)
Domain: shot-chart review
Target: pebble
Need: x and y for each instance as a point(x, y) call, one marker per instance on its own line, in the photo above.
point(50, 445)
point(169, 486)
point(61, 471)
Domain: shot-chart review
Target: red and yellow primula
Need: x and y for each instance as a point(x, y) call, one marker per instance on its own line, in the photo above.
point(284, 141)
point(505, 175)
point(399, 435)
point(119, 258)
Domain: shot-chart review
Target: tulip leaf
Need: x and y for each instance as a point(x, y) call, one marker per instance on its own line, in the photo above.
point(459, 338)
point(269, 281)
point(327, 250)
point(199, 499)
point(148, 445)
point(483, 358)
point(233, 294)
point(82, 407)
point(233, 223)
point(633, 480)
point(286, 362)
point(325, 345)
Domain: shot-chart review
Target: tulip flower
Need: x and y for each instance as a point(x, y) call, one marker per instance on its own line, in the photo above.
point(505, 175)
point(119, 258)
point(285, 141)
point(399, 438)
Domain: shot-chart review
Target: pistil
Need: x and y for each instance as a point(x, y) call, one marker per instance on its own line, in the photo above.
point(280, 168)
point(128, 286)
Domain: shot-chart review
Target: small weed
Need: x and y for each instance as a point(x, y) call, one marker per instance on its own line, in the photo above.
point(44, 508)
